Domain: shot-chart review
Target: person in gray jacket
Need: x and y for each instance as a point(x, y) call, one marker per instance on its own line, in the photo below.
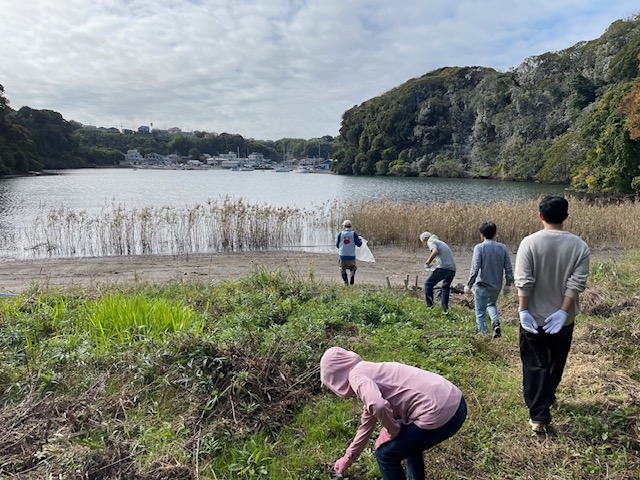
point(444, 272)
point(552, 267)
point(490, 262)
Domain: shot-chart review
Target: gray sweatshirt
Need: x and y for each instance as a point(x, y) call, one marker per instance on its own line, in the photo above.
point(551, 264)
point(444, 259)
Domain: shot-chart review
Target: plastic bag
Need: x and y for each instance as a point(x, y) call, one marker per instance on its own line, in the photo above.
point(363, 253)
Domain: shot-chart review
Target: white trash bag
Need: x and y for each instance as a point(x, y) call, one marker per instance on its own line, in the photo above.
point(363, 253)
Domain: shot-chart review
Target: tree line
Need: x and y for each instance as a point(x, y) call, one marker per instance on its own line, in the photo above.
point(32, 140)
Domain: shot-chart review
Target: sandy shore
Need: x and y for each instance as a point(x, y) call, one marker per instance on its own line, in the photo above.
point(394, 263)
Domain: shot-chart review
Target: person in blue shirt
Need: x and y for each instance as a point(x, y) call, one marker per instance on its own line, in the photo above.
point(489, 263)
point(346, 243)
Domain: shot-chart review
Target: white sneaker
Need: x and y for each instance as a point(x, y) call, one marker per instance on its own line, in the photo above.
point(538, 428)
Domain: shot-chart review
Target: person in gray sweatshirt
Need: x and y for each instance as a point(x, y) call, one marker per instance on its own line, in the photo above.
point(490, 262)
point(552, 268)
point(444, 272)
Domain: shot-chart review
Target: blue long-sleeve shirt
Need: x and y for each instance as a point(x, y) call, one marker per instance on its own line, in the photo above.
point(346, 243)
point(490, 260)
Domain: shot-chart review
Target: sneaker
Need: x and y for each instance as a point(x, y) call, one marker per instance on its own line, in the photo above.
point(496, 332)
point(353, 279)
point(538, 428)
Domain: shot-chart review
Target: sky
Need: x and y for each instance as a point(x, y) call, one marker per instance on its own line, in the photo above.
point(264, 69)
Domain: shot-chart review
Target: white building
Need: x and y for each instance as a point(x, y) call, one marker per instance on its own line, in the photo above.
point(155, 158)
point(133, 157)
point(229, 163)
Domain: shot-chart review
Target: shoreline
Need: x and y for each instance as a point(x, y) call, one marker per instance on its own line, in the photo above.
point(396, 264)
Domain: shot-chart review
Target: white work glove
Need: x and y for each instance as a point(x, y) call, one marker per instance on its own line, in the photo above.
point(527, 322)
point(427, 266)
point(554, 322)
point(506, 289)
point(467, 289)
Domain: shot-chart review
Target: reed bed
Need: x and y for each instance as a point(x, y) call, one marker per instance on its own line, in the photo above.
point(223, 225)
point(602, 226)
point(228, 225)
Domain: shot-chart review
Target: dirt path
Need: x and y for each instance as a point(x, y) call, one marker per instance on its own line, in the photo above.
point(391, 262)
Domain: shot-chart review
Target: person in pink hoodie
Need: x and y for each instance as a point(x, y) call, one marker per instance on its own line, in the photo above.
point(417, 409)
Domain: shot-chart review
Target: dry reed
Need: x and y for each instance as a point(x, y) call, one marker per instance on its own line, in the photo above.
point(224, 225)
point(610, 226)
point(234, 225)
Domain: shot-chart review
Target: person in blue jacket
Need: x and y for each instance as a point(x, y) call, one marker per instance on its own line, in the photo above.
point(346, 243)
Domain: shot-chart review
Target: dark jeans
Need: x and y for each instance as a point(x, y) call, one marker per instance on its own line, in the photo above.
point(439, 274)
point(543, 359)
point(410, 444)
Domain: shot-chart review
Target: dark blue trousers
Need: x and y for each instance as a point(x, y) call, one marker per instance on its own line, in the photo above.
point(439, 274)
point(410, 444)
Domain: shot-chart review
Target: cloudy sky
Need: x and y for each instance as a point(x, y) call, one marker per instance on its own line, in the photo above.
point(265, 69)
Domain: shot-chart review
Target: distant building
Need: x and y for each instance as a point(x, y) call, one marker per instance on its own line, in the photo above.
point(155, 158)
point(143, 129)
point(133, 157)
point(324, 165)
point(229, 163)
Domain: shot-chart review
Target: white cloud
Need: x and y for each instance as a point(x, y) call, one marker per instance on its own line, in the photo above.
point(265, 69)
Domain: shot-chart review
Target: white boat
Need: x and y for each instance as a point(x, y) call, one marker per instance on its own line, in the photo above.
point(303, 169)
point(282, 168)
point(246, 168)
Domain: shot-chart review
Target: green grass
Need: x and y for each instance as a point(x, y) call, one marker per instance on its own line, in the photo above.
point(220, 381)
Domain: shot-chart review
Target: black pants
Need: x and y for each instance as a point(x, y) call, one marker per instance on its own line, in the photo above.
point(543, 359)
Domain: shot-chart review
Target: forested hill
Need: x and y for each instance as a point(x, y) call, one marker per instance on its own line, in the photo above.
point(571, 116)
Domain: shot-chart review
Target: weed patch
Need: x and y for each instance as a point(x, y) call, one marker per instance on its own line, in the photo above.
point(220, 381)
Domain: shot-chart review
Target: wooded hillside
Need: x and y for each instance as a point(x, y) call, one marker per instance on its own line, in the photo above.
point(571, 116)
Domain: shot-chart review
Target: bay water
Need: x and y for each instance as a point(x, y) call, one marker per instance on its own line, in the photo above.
point(23, 200)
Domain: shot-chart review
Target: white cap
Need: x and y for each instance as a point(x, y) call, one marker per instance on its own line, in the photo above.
point(424, 236)
point(346, 223)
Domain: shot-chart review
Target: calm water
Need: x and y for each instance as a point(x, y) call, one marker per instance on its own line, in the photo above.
point(22, 200)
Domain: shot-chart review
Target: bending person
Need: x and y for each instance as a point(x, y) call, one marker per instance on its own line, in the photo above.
point(416, 408)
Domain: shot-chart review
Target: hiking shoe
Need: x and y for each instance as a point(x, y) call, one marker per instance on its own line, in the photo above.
point(538, 428)
point(496, 332)
point(353, 279)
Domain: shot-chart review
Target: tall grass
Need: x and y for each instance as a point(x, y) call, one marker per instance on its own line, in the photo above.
point(391, 223)
point(234, 225)
point(123, 320)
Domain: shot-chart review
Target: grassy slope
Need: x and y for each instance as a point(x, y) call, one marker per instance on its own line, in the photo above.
point(196, 380)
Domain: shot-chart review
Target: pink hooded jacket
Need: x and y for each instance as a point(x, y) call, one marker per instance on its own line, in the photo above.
point(392, 393)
